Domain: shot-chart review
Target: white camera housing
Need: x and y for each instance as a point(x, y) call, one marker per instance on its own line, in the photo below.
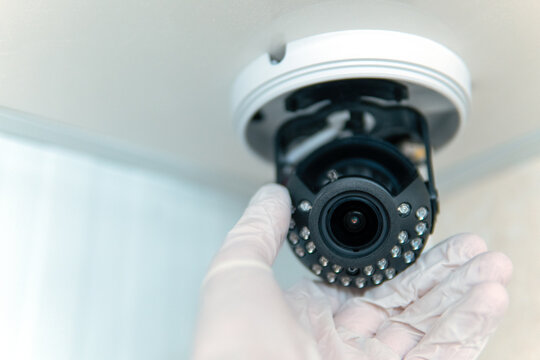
point(438, 80)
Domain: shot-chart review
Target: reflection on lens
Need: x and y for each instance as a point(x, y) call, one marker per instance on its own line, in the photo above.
point(355, 223)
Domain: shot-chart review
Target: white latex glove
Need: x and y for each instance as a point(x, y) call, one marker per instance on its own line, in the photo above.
point(444, 306)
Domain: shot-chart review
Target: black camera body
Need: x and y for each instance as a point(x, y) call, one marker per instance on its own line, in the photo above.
point(357, 163)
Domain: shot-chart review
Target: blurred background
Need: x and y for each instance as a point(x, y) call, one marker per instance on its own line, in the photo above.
point(121, 173)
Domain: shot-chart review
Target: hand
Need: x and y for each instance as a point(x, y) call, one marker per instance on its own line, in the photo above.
point(444, 306)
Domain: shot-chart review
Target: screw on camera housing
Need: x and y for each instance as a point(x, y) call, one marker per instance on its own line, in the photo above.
point(363, 210)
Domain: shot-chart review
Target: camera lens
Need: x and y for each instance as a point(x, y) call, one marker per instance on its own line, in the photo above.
point(354, 223)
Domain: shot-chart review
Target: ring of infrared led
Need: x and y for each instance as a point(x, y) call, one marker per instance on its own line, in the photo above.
point(355, 231)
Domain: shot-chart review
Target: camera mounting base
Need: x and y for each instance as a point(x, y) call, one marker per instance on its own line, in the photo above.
point(437, 81)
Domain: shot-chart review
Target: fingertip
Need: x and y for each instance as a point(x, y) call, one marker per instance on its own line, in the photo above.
point(490, 298)
point(467, 245)
point(273, 192)
point(505, 265)
point(276, 202)
point(494, 265)
point(259, 233)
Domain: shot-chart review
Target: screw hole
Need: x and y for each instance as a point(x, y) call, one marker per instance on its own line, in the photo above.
point(277, 54)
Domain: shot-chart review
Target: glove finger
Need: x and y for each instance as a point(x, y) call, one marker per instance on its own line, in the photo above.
point(487, 267)
point(427, 271)
point(404, 330)
point(364, 315)
point(256, 238)
point(240, 292)
point(463, 330)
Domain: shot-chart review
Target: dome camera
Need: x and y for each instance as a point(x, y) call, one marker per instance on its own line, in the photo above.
point(350, 120)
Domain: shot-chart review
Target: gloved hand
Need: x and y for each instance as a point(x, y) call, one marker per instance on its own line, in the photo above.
point(444, 306)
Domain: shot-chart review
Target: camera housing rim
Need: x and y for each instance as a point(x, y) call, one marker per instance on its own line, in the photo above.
point(438, 79)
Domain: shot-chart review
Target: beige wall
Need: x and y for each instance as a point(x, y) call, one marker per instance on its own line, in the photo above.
point(504, 208)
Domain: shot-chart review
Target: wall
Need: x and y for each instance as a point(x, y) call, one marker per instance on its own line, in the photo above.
point(504, 208)
point(100, 261)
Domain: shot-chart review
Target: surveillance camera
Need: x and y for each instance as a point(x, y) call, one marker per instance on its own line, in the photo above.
point(350, 120)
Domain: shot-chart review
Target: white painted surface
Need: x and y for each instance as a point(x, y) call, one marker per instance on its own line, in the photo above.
point(504, 209)
point(157, 75)
point(100, 261)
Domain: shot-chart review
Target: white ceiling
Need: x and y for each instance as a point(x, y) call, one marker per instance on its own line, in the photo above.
point(155, 76)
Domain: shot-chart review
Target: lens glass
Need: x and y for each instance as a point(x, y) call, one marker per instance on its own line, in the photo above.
point(354, 224)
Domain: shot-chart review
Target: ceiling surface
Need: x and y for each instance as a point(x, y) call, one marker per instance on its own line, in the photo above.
point(154, 77)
